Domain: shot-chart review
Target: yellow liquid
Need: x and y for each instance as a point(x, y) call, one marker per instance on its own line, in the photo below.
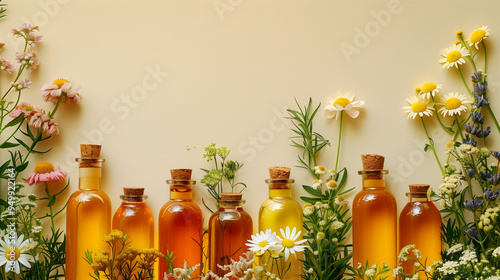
point(88, 221)
point(420, 224)
point(136, 220)
point(180, 228)
point(280, 211)
point(374, 228)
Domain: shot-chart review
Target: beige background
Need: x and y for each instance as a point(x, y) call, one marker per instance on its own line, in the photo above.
point(158, 76)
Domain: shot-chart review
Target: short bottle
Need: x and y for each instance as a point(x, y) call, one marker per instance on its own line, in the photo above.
point(374, 218)
point(230, 228)
point(420, 225)
point(180, 224)
point(134, 218)
point(281, 211)
point(88, 215)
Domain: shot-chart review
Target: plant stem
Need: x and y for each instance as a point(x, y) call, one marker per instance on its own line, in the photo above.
point(493, 116)
point(340, 138)
point(50, 207)
point(485, 57)
point(432, 146)
point(465, 83)
point(459, 129)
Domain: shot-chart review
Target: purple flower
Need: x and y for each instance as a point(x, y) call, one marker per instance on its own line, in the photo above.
point(480, 87)
point(494, 179)
point(476, 77)
point(496, 154)
point(473, 204)
point(477, 118)
point(472, 142)
point(486, 132)
point(470, 173)
point(481, 100)
point(472, 233)
point(491, 195)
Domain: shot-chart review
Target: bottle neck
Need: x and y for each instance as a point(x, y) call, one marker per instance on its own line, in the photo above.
point(90, 178)
point(417, 197)
point(280, 188)
point(231, 205)
point(373, 178)
point(133, 199)
point(181, 192)
point(373, 183)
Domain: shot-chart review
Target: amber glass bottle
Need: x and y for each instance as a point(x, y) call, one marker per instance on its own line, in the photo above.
point(134, 218)
point(230, 228)
point(88, 215)
point(280, 211)
point(374, 217)
point(180, 224)
point(420, 224)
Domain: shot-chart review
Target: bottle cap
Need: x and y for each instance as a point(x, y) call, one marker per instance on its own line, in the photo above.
point(90, 155)
point(180, 174)
point(279, 172)
point(133, 191)
point(231, 196)
point(372, 162)
point(419, 190)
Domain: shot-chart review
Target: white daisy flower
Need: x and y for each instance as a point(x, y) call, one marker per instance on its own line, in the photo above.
point(453, 104)
point(264, 241)
point(289, 243)
point(13, 252)
point(453, 56)
point(429, 90)
point(320, 170)
point(317, 184)
point(478, 36)
point(418, 107)
point(343, 102)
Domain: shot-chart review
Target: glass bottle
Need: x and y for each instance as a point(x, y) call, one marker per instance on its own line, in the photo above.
point(280, 211)
point(230, 228)
point(180, 224)
point(134, 218)
point(374, 218)
point(88, 215)
point(420, 224)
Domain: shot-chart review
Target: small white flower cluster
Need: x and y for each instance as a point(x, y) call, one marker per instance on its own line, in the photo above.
point(455, 248)
point(468, 256)
point(330, 182)
point(488, 218)
point(496, 252)
point(467, 149)
point(449, 268)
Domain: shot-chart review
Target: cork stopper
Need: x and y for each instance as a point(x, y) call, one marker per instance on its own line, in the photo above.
point(181, 174)
point(231, 196)
point(89, 150)
point(279, 172)
point(372, 162)
point(133, 191)
point(419, 190)
point(92, 152)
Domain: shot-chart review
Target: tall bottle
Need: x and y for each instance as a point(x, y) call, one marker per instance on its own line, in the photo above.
point(420, 224)
point(280, 211)
point(230, 228)
point(88, 215)
point(134, 218)
point(374, 217)
point(180, 224)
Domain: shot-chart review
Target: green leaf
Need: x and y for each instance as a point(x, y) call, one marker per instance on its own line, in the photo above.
point(4, 167)
point(22, 167)
point(15, 121)
point(52, 201)
point(311, 200)
point(427, 147)
point(312, 191)
point(22, 143)
point(6, 145)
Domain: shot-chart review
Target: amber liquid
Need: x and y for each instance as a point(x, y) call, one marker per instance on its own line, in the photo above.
point(374, 217)
point(180, 230)
point(88, 221)
point(136, 220)
point(229, 230)
point(278, 212)
point(420, 224)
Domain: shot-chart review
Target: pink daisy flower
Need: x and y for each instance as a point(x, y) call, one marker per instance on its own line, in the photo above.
point(20, 85)
point(61, 87)
point(45, 172)
point(41, 120)
point(23, 108)
point(28, 59)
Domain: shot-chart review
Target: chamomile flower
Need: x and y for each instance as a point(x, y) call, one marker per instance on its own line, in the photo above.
point(453, 56)
point(13, 252)
point(429, 90)
point(343, 102)
point(290, 243)
point(453, 104)
point(320, 170)
point(418, 107)
point(264, 241)
point(478, 36)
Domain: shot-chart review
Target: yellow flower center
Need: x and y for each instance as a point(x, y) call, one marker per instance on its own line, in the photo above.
point(342, 102)
point(44, 167)
point(27, 107)
point(60, 82)
point(418, 107)
point(453, 103)
point(428, 87)
point(321, 168)
point(477, 36)
point(453, 56)
point(287, 243)
point(341, 198)
point(12, 254)
point(263, 243)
